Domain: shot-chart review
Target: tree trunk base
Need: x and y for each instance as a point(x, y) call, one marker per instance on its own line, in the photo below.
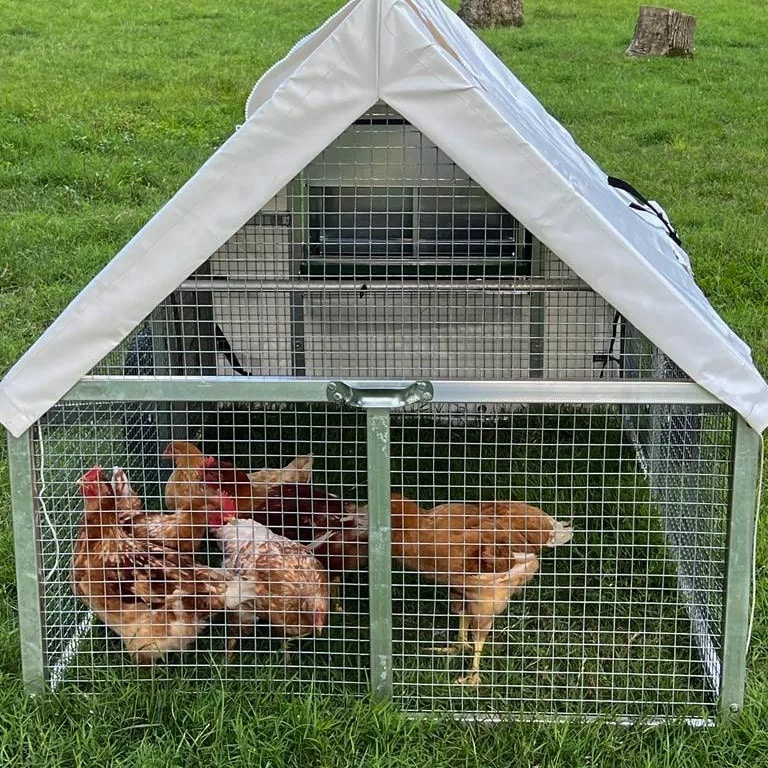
point(491, 13)
point(662, 32)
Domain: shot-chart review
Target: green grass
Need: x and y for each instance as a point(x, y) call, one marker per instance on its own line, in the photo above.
point(106, 109)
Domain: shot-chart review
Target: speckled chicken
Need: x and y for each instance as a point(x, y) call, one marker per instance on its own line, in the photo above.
point(336, 531)
point(291, 584)
point(156, 599)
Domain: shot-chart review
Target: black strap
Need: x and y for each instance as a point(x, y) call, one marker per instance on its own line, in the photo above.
point(645, 205)
point(225, 348)
point(609, 357)
point(613, 181)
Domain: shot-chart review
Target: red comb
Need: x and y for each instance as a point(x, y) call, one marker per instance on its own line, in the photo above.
point(209, 461)
point(227, 512)
point(227, 502)
point(93, 475)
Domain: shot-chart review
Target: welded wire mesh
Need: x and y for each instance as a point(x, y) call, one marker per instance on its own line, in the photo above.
point(383, 258)
point(79, 647)
point(612, 621)
point(622, 619)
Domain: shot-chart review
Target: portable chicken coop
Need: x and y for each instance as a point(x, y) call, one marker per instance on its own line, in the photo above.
point(401, 264)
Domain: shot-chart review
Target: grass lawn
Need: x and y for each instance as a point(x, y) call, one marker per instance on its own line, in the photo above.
point(106, 109)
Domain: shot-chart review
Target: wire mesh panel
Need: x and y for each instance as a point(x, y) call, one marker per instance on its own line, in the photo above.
point(133, 553)
point(618, 612)
point(620, 620)
point(678, 449)
point(383, 258)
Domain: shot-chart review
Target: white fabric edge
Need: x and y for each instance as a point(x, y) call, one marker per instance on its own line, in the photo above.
point(285, 67)
point(327, 92)
point(654, 296)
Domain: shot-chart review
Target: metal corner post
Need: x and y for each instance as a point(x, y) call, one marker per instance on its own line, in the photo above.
point(27, 563)
point(741, 532)
point(379, 556)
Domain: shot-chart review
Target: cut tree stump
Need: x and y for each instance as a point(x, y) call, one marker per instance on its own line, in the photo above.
point(491, 13)
point(662, 32)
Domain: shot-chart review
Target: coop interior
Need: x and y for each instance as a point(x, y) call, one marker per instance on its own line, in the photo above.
point(383, 263)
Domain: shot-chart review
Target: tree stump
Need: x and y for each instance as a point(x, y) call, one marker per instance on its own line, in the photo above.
point(662, 32)
point(492, 13)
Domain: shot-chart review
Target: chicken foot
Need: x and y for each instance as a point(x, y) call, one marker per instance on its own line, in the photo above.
point(462, 642)
point(474, 677)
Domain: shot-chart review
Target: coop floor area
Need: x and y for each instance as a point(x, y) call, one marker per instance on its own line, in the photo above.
point(622, 621)
point(547, 656)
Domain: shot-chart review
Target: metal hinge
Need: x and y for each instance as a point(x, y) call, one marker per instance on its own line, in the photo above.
point(380, 397)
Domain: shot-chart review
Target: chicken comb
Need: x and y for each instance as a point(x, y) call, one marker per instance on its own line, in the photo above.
point(227, 502)
point(93, 475)
point(209, 461)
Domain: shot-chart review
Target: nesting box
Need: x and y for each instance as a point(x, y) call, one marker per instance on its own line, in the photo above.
point(403, 266)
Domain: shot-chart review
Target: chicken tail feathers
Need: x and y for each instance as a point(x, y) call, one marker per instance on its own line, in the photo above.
point(561, 534)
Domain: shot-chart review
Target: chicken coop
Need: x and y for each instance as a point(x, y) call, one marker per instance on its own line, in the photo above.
point(402, 274)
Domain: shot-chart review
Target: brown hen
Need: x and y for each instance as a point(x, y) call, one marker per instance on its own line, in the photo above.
point(156, 599)
point(198, 480)
point(485, 553)
point(185, 488)
point(182, 531)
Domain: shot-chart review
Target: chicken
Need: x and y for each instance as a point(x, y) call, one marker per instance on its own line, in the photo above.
point(198, 480)
point(182, 531)
point(485, 553)
point(155, 599)
point(248, 490)
point(185, 488)
point(297, 471)
point(291, 584)
point(332, 529)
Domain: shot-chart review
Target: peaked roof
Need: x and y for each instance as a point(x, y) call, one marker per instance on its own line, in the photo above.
point(420, 59)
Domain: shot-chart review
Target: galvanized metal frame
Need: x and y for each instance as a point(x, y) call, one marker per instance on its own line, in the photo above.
point(379, 398)
point(741, 533)
point(379, 555)
point(26, 546)
point(277, 389)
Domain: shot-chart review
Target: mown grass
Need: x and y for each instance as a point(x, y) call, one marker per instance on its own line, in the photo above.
point(106, 109)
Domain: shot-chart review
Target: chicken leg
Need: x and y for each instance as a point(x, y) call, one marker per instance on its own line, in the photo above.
point(462, 641)
point(479, 636)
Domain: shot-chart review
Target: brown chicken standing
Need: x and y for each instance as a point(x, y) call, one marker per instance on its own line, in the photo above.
point(485, 553)
point(155, 598)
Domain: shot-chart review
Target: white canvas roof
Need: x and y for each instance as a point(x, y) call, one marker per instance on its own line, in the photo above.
point(419, 58)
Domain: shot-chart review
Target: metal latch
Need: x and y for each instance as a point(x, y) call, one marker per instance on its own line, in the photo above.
point(380, 397)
